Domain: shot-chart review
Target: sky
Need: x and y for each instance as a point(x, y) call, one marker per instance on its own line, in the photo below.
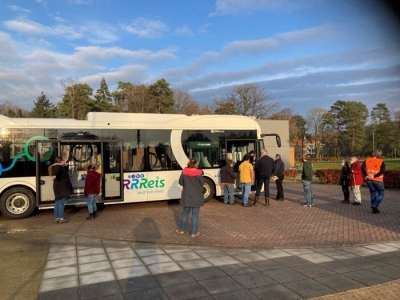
point(305, 53)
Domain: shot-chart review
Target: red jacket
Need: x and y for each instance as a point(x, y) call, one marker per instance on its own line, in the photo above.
point(356, 174)
point(92, 183)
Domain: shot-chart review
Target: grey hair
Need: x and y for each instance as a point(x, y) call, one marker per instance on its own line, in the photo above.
point(264, 151)
point(354, 158)
point(377, 153)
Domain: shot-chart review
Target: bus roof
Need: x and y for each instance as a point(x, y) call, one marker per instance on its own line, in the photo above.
point(104, 120)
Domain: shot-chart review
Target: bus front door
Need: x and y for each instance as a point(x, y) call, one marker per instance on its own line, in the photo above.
point(45, 154)
point(112, 171)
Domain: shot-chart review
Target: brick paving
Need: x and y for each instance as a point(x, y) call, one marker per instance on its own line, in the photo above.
point(282, 224)
point(344, 245)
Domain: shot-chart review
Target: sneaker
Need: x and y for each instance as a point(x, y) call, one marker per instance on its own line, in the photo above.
point(63, 221)
point(246, 205)
point(179, 231)
point(356, 203)
point(195, 235)
point(57, 221)
point(305, 204)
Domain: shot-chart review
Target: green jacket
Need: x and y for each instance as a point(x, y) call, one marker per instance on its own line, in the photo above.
point(307, 171)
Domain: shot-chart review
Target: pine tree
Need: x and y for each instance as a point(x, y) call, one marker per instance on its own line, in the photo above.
point(103, 99)
point(43, 108)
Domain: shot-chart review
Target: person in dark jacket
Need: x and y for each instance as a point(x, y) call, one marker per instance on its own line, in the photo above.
point(192, 197)
point(92, 190)
point(307, 176)
point(264, 168)
point(344, 180)
point(227, 180)
point(279, 171)
point(62, 188)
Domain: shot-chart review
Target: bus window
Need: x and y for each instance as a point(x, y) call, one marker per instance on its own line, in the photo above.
point(206, 146)
point(160, 152)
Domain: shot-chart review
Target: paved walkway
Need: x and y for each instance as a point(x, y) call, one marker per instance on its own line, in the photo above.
point(89, 268)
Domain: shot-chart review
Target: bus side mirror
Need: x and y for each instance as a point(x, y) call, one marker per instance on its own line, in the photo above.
point(278, 141)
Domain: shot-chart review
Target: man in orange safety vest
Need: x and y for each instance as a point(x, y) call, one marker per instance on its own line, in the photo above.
point(373, 169)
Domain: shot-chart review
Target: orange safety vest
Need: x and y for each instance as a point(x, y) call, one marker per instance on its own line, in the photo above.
point(373, 166)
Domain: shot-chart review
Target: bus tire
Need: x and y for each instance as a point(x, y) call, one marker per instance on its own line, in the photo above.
point(208, 189)
point(17, 203)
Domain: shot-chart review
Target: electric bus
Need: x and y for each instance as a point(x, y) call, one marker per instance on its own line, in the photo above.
point(140, 156)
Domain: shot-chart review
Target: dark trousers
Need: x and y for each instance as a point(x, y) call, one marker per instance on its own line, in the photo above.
point(345, 189)
point(260, 182)
point(279, 187)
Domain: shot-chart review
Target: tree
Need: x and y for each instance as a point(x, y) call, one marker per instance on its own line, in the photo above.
point(350, 118)
point(12, 110)
point(103, 98)
point(185, 104)
point(76, 101)
point(162, 97)
point(380, 114)
point(284, 114)
point(315, 125)
point(43, 108)
point(297, 133)
point(132, 98)
point(247, 100)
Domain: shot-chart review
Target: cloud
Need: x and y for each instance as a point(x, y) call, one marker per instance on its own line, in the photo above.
point(30, 27)
point(80, 2)
point(245, 7)
point(184, 31)
point(94, 32)
point(146, 28)
point(18, 9)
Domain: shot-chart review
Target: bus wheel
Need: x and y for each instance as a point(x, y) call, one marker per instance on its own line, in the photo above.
point(208, 189)
point(17, 203)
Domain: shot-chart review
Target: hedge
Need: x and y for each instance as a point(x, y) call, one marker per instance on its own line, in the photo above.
point(391, 178)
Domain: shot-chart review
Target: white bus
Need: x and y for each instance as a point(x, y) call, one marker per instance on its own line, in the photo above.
point(140, 156)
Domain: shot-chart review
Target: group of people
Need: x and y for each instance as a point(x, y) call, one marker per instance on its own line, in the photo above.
point(372, 171)
point(260, 171)
point(252, 171)
point(62, 188)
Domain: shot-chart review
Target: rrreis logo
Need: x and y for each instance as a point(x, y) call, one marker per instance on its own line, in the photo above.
point(138, 181)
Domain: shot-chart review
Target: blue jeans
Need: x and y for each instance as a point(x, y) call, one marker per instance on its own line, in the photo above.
point(195, 219)
point(260, 182)
point(91, 203)
point(59, 208)
point(377, 191)
point(246, 187)
point(308, 192)
point(228, 190)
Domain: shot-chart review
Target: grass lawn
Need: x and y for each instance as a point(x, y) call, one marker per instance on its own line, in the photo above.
point(391, 164)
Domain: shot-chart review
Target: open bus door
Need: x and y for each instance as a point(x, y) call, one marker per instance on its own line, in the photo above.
point(45, 155)
point(79, 154)
point(237, 149)
point(112, 170)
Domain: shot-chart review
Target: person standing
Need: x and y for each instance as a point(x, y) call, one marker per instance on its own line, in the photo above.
point(227, 180)
point(62, 188)
point(344, 181)
point(264, 168)
point(192, 198)
point(306, 176)
point(279, 171)
point(246, 179)
point(356, 179)
point(92, 190)
point(373, 169)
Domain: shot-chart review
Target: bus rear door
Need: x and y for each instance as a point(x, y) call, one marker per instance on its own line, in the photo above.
point(112, 170)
